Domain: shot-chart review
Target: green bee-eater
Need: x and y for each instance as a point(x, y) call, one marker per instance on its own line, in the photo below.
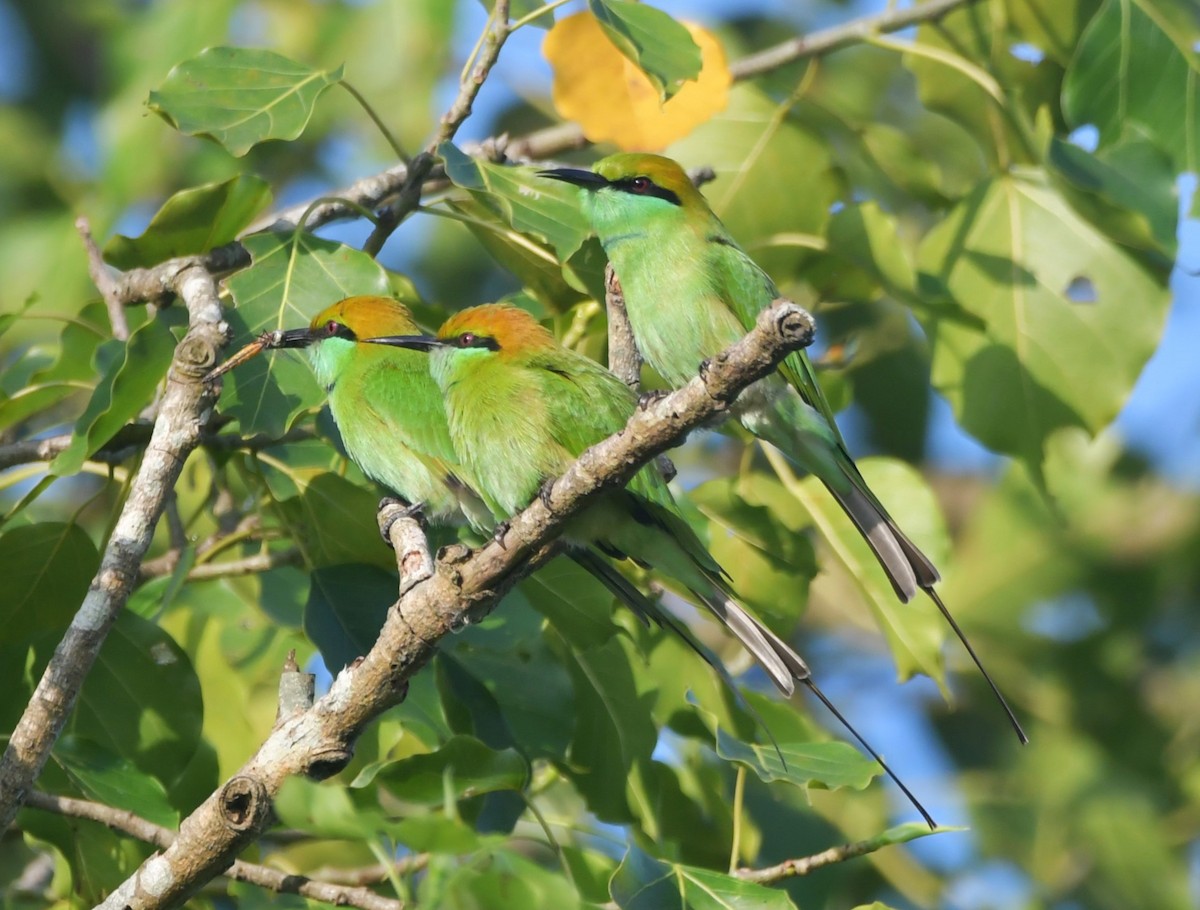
point(690, 292)
point(386, 406)
point(521, 410)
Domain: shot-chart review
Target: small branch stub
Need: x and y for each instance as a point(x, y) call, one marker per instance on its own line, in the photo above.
point(296, 689)
point(244, 803)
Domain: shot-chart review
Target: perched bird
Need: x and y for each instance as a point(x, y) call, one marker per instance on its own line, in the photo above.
point(522, 408)
point(690, 291)
point(386, 406)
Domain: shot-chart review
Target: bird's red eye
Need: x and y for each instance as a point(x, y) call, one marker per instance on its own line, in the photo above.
point(640, 184)
point(331, 327)
point(466, 339)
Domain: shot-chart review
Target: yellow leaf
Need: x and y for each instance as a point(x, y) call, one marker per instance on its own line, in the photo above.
point(613, 101)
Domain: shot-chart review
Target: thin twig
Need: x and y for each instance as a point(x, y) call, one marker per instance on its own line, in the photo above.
point(124, 822)
point(828, 40)
point(464, 586)
point(409, 197)
point(134, 436)
point(230, 568)
point(372, 875)
point(103, 280)
point(802, 866)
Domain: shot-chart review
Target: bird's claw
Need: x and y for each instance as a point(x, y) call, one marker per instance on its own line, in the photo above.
point(544, 494)
point(646, 399)
point(666, 468)
point(498, 534)
point(415, 511)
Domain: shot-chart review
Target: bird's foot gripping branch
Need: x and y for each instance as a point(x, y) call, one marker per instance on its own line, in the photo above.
point(439, 596)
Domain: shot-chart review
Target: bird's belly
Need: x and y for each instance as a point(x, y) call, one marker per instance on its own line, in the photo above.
point(677, 328)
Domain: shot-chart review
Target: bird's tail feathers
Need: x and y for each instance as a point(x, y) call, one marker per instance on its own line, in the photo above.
point(648, 611)
point(786, 667)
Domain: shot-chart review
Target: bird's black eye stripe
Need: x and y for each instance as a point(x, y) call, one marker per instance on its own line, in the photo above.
point(471, 340)
point(644, 186)
point(334, 329)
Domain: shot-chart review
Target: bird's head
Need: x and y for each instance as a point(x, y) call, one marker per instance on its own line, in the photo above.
point(477, 334)
point(361, 317)
point(349, 320)
point(629, 184)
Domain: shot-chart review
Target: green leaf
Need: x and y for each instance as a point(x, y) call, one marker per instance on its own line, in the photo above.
point(1057, 298)
point(142, 700)
point(1127, 191)
point(45, 386)
point(832, 764)
point(292, 278)
point(192, 221)
point(1052, 27)
point(652, 41)
point(507, 654)
point(613, 728)
point(240, 97)
point(770, 565)
point(499, 880)
point(463, 767)
point(333, 521)
point(327, 810)
point(642, 882)
point(124, 389)
point(46, 569)
point(1137, 70)
point(914, 631)
point(805, 762)
point(346, 608)
point(749, 147)
point(114, 781)
point(578, 606)
point(546, 209)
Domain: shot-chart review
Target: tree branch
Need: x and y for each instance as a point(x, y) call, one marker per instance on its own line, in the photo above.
point(794, 867)
point(185, 407)
point(464, 584)
point(229, 568)
point(103, 280)
point(346, 894)
point(837, 37)
point(409, 196)
point(135, 436)
point(624, 358)
point(156, 283)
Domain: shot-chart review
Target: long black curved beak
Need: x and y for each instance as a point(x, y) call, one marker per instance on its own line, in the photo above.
point(267, 341)
point(412, 342)
point(586, 179)
point(291, 338)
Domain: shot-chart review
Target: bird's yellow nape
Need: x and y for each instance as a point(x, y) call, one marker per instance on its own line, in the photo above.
point(512, 328)
point(369, 316)
point(663, 172)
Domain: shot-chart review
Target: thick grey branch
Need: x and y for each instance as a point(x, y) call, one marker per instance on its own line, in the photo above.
point(464, 584)
point(185, 407)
